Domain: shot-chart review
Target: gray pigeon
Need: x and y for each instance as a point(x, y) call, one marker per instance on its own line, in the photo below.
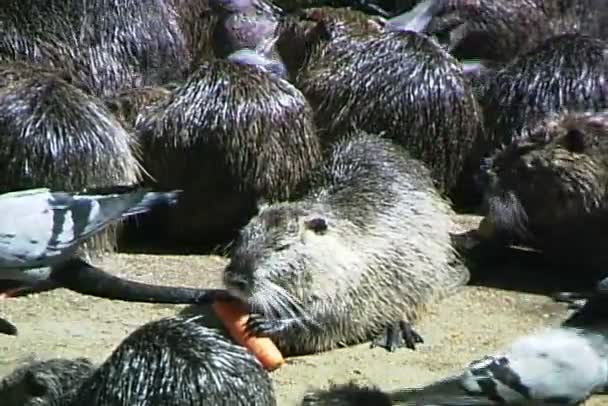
point(556, 366)
point(42, 228)
point(40, 232)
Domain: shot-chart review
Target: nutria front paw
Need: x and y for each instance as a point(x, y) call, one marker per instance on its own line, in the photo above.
point(259, 326)
point(396, 335)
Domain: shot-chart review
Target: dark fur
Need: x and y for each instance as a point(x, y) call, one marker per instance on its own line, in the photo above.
point(336, 266)
point(550, 189)
point(348, 394)
point(56, 136)
point(52, 382)
point(565, 72)
point(176, 361)
point(230, 135)
point(499, 30)
point(402, 84)
point(116, 44)
point(128, 104)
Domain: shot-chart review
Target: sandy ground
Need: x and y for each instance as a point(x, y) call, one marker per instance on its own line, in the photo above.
point(476, 321)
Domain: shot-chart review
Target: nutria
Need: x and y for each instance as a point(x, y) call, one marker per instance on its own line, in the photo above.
point(125, 41)
point(177, 361)
point(230, 135)
point(349, 394)
point(357, 258)
point(170, 361)
point(52, 382)
point(57, 136)
point(565, 72)
point(385, 81)
point(549, 189)
point(500, 30)
point(129, 103)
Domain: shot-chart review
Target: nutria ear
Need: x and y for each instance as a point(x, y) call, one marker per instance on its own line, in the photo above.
point(574, 140)
point(35, 384)
point(318, 225)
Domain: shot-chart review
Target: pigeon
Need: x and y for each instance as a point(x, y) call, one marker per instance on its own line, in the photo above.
point(555, 366)
point(41, 230)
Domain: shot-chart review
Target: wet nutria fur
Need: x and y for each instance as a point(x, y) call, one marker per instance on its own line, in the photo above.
point(57, 136)
point(565, 72)
point(230, 135)
point(124, 42)
point(176, 361)
point(401, 84)
point(550, 189)
point(358, 257)
point(499, 30)
point(52, 382)
point(128, 104)
point(348, 394)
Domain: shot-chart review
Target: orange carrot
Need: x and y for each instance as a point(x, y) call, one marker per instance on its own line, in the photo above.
point(234, 315)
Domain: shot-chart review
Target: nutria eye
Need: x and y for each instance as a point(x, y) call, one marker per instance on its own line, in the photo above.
point(317, 225)
point(282, 247)
point(574, 141)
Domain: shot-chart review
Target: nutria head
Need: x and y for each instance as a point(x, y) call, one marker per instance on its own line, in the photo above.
point(279, 260)
point(45, 383)
point(557, 174)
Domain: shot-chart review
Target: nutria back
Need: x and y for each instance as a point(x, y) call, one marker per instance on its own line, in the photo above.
point(55, 135)
point(177, 361)
point(228, 136)
point(565, 72)
point(367, 245)
point(401, 84)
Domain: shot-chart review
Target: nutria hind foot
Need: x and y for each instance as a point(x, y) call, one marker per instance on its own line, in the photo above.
point(396, 335)
point(8, 328)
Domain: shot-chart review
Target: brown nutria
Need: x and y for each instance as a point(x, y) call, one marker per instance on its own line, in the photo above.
point(129, 103)
point(565, 72)
point(401, 84)
point(177, 361)
point(57, 136)
point(124, 42)
point(358, 258)
point(549, 189)
point(51, 382)
point(499, 30)
point(230, 135)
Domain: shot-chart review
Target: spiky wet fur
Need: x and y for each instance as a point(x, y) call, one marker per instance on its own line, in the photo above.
point(228, 136)
point(399, 83)
point(564, 72)
point(128, 104)
point(499, 30)
point(385, 255)
point(349, 394)
point(52, 382)
point(57, 136)
point(550, 187)
point(175, 361)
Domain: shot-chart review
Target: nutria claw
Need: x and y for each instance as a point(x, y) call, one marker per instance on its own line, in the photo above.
point(396, 335)
point(260, 326)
